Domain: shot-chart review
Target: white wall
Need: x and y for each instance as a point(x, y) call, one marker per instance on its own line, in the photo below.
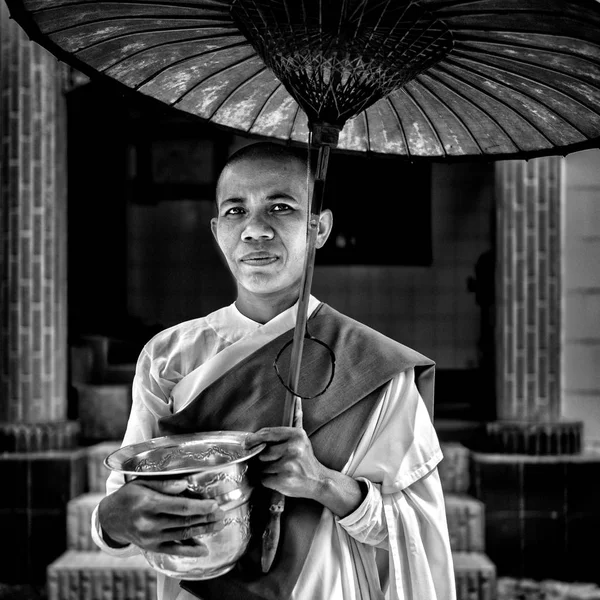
point(581, 288)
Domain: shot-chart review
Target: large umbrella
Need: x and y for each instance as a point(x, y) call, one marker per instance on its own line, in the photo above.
point(434, 79)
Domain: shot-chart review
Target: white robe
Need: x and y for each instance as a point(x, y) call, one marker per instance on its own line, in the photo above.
point(402, 516)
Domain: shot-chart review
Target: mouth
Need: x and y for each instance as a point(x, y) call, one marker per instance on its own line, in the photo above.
point(259, 259)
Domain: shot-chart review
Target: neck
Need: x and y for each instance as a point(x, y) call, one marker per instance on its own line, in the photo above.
point(263, 309)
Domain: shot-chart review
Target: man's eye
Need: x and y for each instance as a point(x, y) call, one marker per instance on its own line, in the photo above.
point(281, 207)
point(234, 210)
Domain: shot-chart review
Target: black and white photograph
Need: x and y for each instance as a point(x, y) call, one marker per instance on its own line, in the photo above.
point(299, 299)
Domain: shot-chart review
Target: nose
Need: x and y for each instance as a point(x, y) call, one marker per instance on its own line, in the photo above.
point(257, 228)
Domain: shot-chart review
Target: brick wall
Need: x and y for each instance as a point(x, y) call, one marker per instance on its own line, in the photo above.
point(528, 283)
point(32, 218)
point(581, 266)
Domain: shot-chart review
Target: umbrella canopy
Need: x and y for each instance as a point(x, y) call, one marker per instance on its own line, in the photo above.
point(437, 79)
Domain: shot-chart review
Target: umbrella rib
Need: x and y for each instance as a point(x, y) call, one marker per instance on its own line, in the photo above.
point(458, 118)
point(405, 34)
point(362, 14)
point(400, 125)
point(431, 73)
point(289, 20)
point(512, 60)
point(304, 18)
point(493, 12)
point(294, 120)
point(426, 117)
point(174, 29)
point(494, 98)
point(204, 79)
point(132, 17)
point(274, 20)
point(321, 17)
point(165, 44)
point(43, 9)
point(235, 89)
point(264, 105)
point(177, 62)
point(441, 5)
point(343, 9)
point(523, 46)
point(368, 135)
point(545, 85)
point(373, 29)
point(418, 38)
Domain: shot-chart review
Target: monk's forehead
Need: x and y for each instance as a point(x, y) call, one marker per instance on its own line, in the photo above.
point(250, 169)
point(289, 164)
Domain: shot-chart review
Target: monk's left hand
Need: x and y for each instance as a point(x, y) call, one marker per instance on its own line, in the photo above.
point(290, 466)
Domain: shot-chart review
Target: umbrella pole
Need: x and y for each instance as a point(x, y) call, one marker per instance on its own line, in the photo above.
point(277, 504)
point(305, 286)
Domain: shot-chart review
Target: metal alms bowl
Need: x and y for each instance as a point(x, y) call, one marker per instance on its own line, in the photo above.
point(215, 465)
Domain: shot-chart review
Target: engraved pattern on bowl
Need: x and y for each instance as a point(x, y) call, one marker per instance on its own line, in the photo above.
point(224, 547)
point(215, 465)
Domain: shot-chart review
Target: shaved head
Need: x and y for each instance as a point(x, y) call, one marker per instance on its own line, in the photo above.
point(267, 152)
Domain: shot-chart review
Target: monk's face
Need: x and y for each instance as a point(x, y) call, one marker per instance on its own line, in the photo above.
point(261, 226)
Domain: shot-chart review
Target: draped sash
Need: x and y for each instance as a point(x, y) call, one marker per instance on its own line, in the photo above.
point(250, 396)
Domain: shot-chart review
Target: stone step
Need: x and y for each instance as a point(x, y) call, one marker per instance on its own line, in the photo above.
point(103, 410)
point(80, 575)
point(465, 515)
point(119, 373)
point(97, 576)
point(97, 472)
point(454, 468)
point(79, 515)
point(475, 576)
point(510, 588)
point(466, 522)
point(458, 430)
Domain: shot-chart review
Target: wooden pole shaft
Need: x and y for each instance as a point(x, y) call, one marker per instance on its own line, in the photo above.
point(277, 504)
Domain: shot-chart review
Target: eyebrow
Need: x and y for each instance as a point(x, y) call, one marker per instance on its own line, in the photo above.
point(281, 196)
point(270, 198)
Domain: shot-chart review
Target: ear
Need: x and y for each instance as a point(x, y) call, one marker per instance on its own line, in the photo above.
point(325, 225)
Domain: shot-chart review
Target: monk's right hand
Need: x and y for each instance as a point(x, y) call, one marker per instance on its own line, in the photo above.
point(152, 515)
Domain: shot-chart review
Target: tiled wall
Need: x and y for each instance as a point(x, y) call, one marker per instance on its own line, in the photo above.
point(175, 272)
point(581, 265)
point(528, 294)
point(32, 231)
point(428, 308)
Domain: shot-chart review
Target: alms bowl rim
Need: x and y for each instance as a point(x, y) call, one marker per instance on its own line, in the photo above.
point(115, 460)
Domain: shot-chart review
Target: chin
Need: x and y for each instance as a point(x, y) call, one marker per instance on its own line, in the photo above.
point(271, 288)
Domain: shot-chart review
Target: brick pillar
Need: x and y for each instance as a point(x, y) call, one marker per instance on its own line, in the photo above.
point(33, 342)
point(530, 473)
point(39, 457)
point(528, 310)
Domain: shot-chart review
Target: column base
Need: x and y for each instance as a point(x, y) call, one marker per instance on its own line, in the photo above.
point(536, 439)
point(39, 437)
point(33, 509)
point(540, 514)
